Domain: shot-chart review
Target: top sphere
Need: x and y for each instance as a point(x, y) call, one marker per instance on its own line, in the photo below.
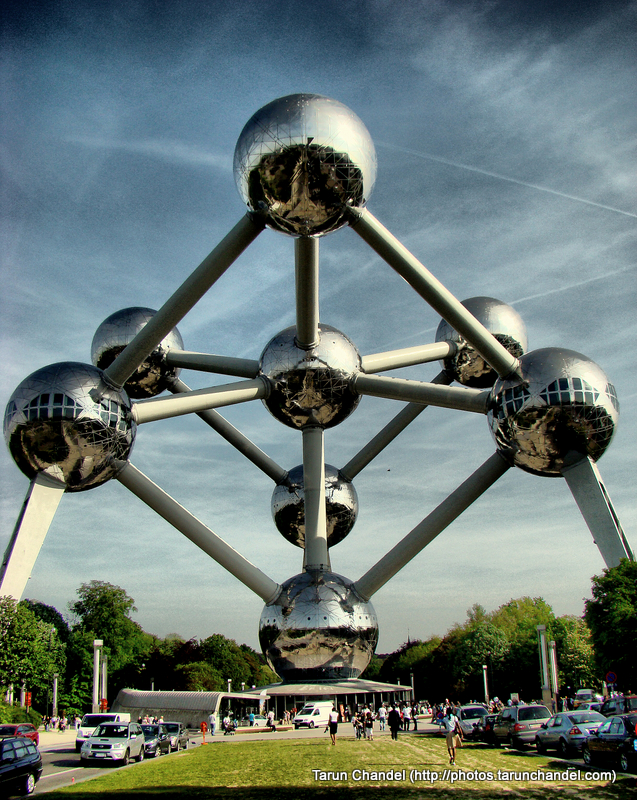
point(302, 160)
point(153, 376)
point(467, 366)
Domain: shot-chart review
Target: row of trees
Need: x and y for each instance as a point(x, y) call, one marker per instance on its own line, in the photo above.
point(505, 640)
point(36, 642)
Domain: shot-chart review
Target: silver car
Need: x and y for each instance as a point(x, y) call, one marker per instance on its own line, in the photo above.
point(469, 717)
point(114, 741)
point(567, 732)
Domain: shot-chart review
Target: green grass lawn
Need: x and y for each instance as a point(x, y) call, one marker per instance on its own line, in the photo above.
point(293, 768)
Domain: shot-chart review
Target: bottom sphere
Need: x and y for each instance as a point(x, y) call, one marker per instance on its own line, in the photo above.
point(318, 628)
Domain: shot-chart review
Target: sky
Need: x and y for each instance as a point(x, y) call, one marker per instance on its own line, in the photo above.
point(506, 140)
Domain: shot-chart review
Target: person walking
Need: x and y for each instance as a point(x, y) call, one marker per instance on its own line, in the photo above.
point(212, 722)
point(453, 732)
point(394, 721)
point(333, 724)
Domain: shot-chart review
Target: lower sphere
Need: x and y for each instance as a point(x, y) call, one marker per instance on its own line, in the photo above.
point(288, 506)
point(318, 628)
point(67, 421)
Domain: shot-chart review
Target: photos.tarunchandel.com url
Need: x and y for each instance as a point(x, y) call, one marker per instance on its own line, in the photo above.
point(432, 776)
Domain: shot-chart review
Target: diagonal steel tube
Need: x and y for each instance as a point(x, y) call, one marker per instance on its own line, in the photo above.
point(387, 435)
point(306, 259)
point(237, 439)
point(193, 529)
point(407, 357)
point(426, 531)
point(431, 290)
point(207, 362)
point(189, 293)
point(199, 400)
point(316, 552)
point(463, 399)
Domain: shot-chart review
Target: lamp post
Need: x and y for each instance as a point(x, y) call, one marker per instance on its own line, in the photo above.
point(486, 683)
point(97, 649)
point(55, 693)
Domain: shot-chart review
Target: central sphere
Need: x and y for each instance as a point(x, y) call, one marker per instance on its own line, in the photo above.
point(564, 406)
point(318, 628)
point(67, 421)
point(310, 386)
point(288, 506)
point(303, 160)
point(153, 375)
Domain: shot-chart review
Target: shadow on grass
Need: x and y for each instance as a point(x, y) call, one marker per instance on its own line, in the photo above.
point(621, 790)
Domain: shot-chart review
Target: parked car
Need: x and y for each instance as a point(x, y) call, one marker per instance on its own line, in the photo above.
point(91, 721)
point(114, 741)
point(179, 736)
point(566, 732)
point(517, 725)
point(615, 741)
point(259, 721)
point(590, 706)
point(157, 740)
point(20, 765)
point(622, 704)
point(484, 728)
point(20, 729)
point(469, 717)
point(586, 696)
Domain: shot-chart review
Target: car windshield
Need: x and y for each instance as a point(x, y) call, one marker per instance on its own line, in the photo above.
point(93, 720)
point(588, 716)
point(473, 713)
point(533, 712)
point(112, 731)
point(172, 727)
point(631, 703)
point(150, 731)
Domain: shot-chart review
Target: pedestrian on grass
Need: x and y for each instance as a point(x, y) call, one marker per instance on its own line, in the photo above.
point(333, 724)
point(453, 732)
point(394, 721)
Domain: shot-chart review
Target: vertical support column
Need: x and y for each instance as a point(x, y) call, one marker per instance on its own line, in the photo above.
point(97, 645)
point(544, 665)
point(555, 688)
point(55, 694)
point(306, 255)
point(486, 683)
point(104, 682)
point(316, 553)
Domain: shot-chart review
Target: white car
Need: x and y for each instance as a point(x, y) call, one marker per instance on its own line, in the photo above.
point(114, 741)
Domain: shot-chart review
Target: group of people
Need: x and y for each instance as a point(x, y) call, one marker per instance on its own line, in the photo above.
point(59, 723)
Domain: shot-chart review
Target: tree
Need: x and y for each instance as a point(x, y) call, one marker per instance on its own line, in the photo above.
point(575, 654)
point(611, 615)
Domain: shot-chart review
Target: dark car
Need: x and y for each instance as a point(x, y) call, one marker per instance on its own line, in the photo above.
point(20, 765)
point(484, 728)
point(567, 731)
point(157, 740)
point(20, 729)
point(622, 704)
point(179, 736)
point(517, 725)
point(615, 741)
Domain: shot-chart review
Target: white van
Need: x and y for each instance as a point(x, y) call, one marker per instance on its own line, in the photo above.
point(313, 714)
point(91, 721)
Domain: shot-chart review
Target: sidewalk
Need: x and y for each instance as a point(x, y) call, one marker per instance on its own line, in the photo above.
point(52, 738)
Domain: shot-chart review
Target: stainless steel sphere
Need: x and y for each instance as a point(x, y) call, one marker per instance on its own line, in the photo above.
point(303, 159)
point(467, 366)
point(310, 386)
point(318, 628)
point(153, 376)
point(288, 506)
point(65, 420)
point(564, 404)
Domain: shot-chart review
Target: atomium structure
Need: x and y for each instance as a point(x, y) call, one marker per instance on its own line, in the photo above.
point(305, 166)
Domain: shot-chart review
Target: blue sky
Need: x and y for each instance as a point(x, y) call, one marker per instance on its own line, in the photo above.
point(505, 135)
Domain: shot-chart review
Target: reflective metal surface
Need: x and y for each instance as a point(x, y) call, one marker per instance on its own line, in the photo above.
point(565, 404)
point(310, 386)
point(318, 628)
point(53, 424)
point(288, 506)
point(154, 375)
point(467, 366)
point(303, 159)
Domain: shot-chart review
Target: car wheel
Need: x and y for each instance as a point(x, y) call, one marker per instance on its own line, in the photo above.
point(563, 749)
point(29, 784)
point(140, 757)
point(311, 725)
point(539, 746)
point(624, 764)
point(157, 752)
point(125, 759)
point(587, 756)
